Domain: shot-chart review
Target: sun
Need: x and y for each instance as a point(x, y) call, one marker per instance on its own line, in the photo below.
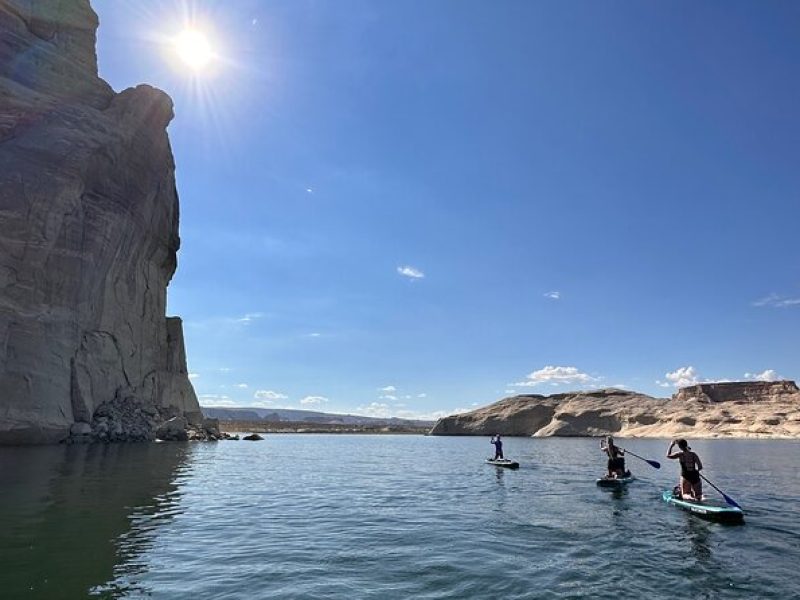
point(193, 49)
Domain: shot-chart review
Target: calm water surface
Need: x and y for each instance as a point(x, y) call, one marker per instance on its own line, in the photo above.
point(317, 516)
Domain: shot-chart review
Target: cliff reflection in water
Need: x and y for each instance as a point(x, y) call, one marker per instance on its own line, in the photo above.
point(75, 517)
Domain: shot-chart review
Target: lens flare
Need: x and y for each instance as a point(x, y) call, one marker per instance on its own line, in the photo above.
point(194, 49)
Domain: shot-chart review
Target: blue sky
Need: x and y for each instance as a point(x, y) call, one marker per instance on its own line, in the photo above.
point(410, 208)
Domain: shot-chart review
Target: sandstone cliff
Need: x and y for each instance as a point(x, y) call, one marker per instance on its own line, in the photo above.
point(736, 409)
point(88, 240)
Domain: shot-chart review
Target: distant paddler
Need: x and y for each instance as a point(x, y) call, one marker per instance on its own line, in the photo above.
point(691, 485)
point(498, 447)
point(616, 458)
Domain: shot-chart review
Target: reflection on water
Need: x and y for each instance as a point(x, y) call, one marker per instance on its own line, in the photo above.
point(698, 536)
point(71, 515)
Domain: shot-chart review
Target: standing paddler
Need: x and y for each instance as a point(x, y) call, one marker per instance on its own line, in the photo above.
point(498, 447)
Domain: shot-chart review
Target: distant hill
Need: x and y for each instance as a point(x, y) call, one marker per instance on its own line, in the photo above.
point(225, 413)
point(755, 409)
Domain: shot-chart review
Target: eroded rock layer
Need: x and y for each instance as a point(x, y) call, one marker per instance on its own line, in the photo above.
point(735, 409)
point(88, 240)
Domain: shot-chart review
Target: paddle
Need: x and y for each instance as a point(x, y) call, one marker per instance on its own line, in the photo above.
point(728, 499)
point(653, 463)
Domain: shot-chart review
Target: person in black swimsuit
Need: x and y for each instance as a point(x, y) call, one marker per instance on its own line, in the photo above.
point(691, 486)
point(616, 458)
point(498, 447)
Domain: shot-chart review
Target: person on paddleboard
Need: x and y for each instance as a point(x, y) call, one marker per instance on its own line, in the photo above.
point(616, 458)
point(691, 486)
point(498, 447)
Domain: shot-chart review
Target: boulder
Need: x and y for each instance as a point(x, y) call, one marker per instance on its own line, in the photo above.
point(253, 437)
point(173, 430)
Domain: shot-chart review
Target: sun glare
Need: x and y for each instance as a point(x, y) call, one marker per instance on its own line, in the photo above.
point(193, 49)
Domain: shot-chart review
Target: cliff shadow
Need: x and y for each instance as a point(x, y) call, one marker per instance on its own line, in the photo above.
point(72, 517)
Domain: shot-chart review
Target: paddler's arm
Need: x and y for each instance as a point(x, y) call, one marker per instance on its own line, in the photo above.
point(698, 462)
point(669, 452)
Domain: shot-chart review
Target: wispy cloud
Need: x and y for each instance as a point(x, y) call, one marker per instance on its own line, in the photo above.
point(269, 395)
point(554, 295)
point(422, 395)
point(777, 301)
point(242, 386)
point(766, 375)
point(248, 318)
point(388, 388)
point(214, 400)
point(194, 375)
point(555, 376)
point(388, 397)
point(410, 272)
point(313, 400)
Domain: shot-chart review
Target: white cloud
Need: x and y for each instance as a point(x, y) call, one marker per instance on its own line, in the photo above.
point(387, 397)
point(388, 388)
point(682, 377)
point(766, 375)
point(313, 400)
point(194, 375)
point(224, 369)
point(375, 409)
point(422, 395)
point(554, 295)
point(309, 190)
point(314, 334)
point(269, 395)
point(777, 301)
point(242, 386)
point(410, 272)
point(214, 400)
point(510, 392)
point(248, 318)
point(555, 376)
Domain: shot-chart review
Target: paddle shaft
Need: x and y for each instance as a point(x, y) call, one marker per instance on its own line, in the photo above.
point(727, 498)
point(652, 463)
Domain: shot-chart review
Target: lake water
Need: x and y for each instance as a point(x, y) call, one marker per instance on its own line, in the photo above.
point(327, 516)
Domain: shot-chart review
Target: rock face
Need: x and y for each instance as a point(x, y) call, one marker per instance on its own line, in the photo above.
point(752, 391)
point(88, 240)
point(736, 409)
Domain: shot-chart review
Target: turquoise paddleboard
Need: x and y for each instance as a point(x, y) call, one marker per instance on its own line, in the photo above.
point(711, 511)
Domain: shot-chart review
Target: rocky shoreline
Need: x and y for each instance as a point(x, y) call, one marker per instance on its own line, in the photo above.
point(747, 409)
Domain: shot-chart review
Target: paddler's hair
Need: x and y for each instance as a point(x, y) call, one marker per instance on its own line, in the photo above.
point(683, 445)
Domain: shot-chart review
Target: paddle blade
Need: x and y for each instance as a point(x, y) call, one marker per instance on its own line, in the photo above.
point(653, 463)
point(731, 501)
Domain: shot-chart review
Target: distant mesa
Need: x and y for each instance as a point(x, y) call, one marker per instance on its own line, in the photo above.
point(731, 409)
point(88, 243)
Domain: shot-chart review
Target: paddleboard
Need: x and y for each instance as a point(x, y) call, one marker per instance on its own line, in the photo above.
point(711, 511)
point(615, 482)
point(503, 462)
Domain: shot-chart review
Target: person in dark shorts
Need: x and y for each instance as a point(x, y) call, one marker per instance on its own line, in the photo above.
point(691, 485)
point(616, 458)
point(498, 447)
